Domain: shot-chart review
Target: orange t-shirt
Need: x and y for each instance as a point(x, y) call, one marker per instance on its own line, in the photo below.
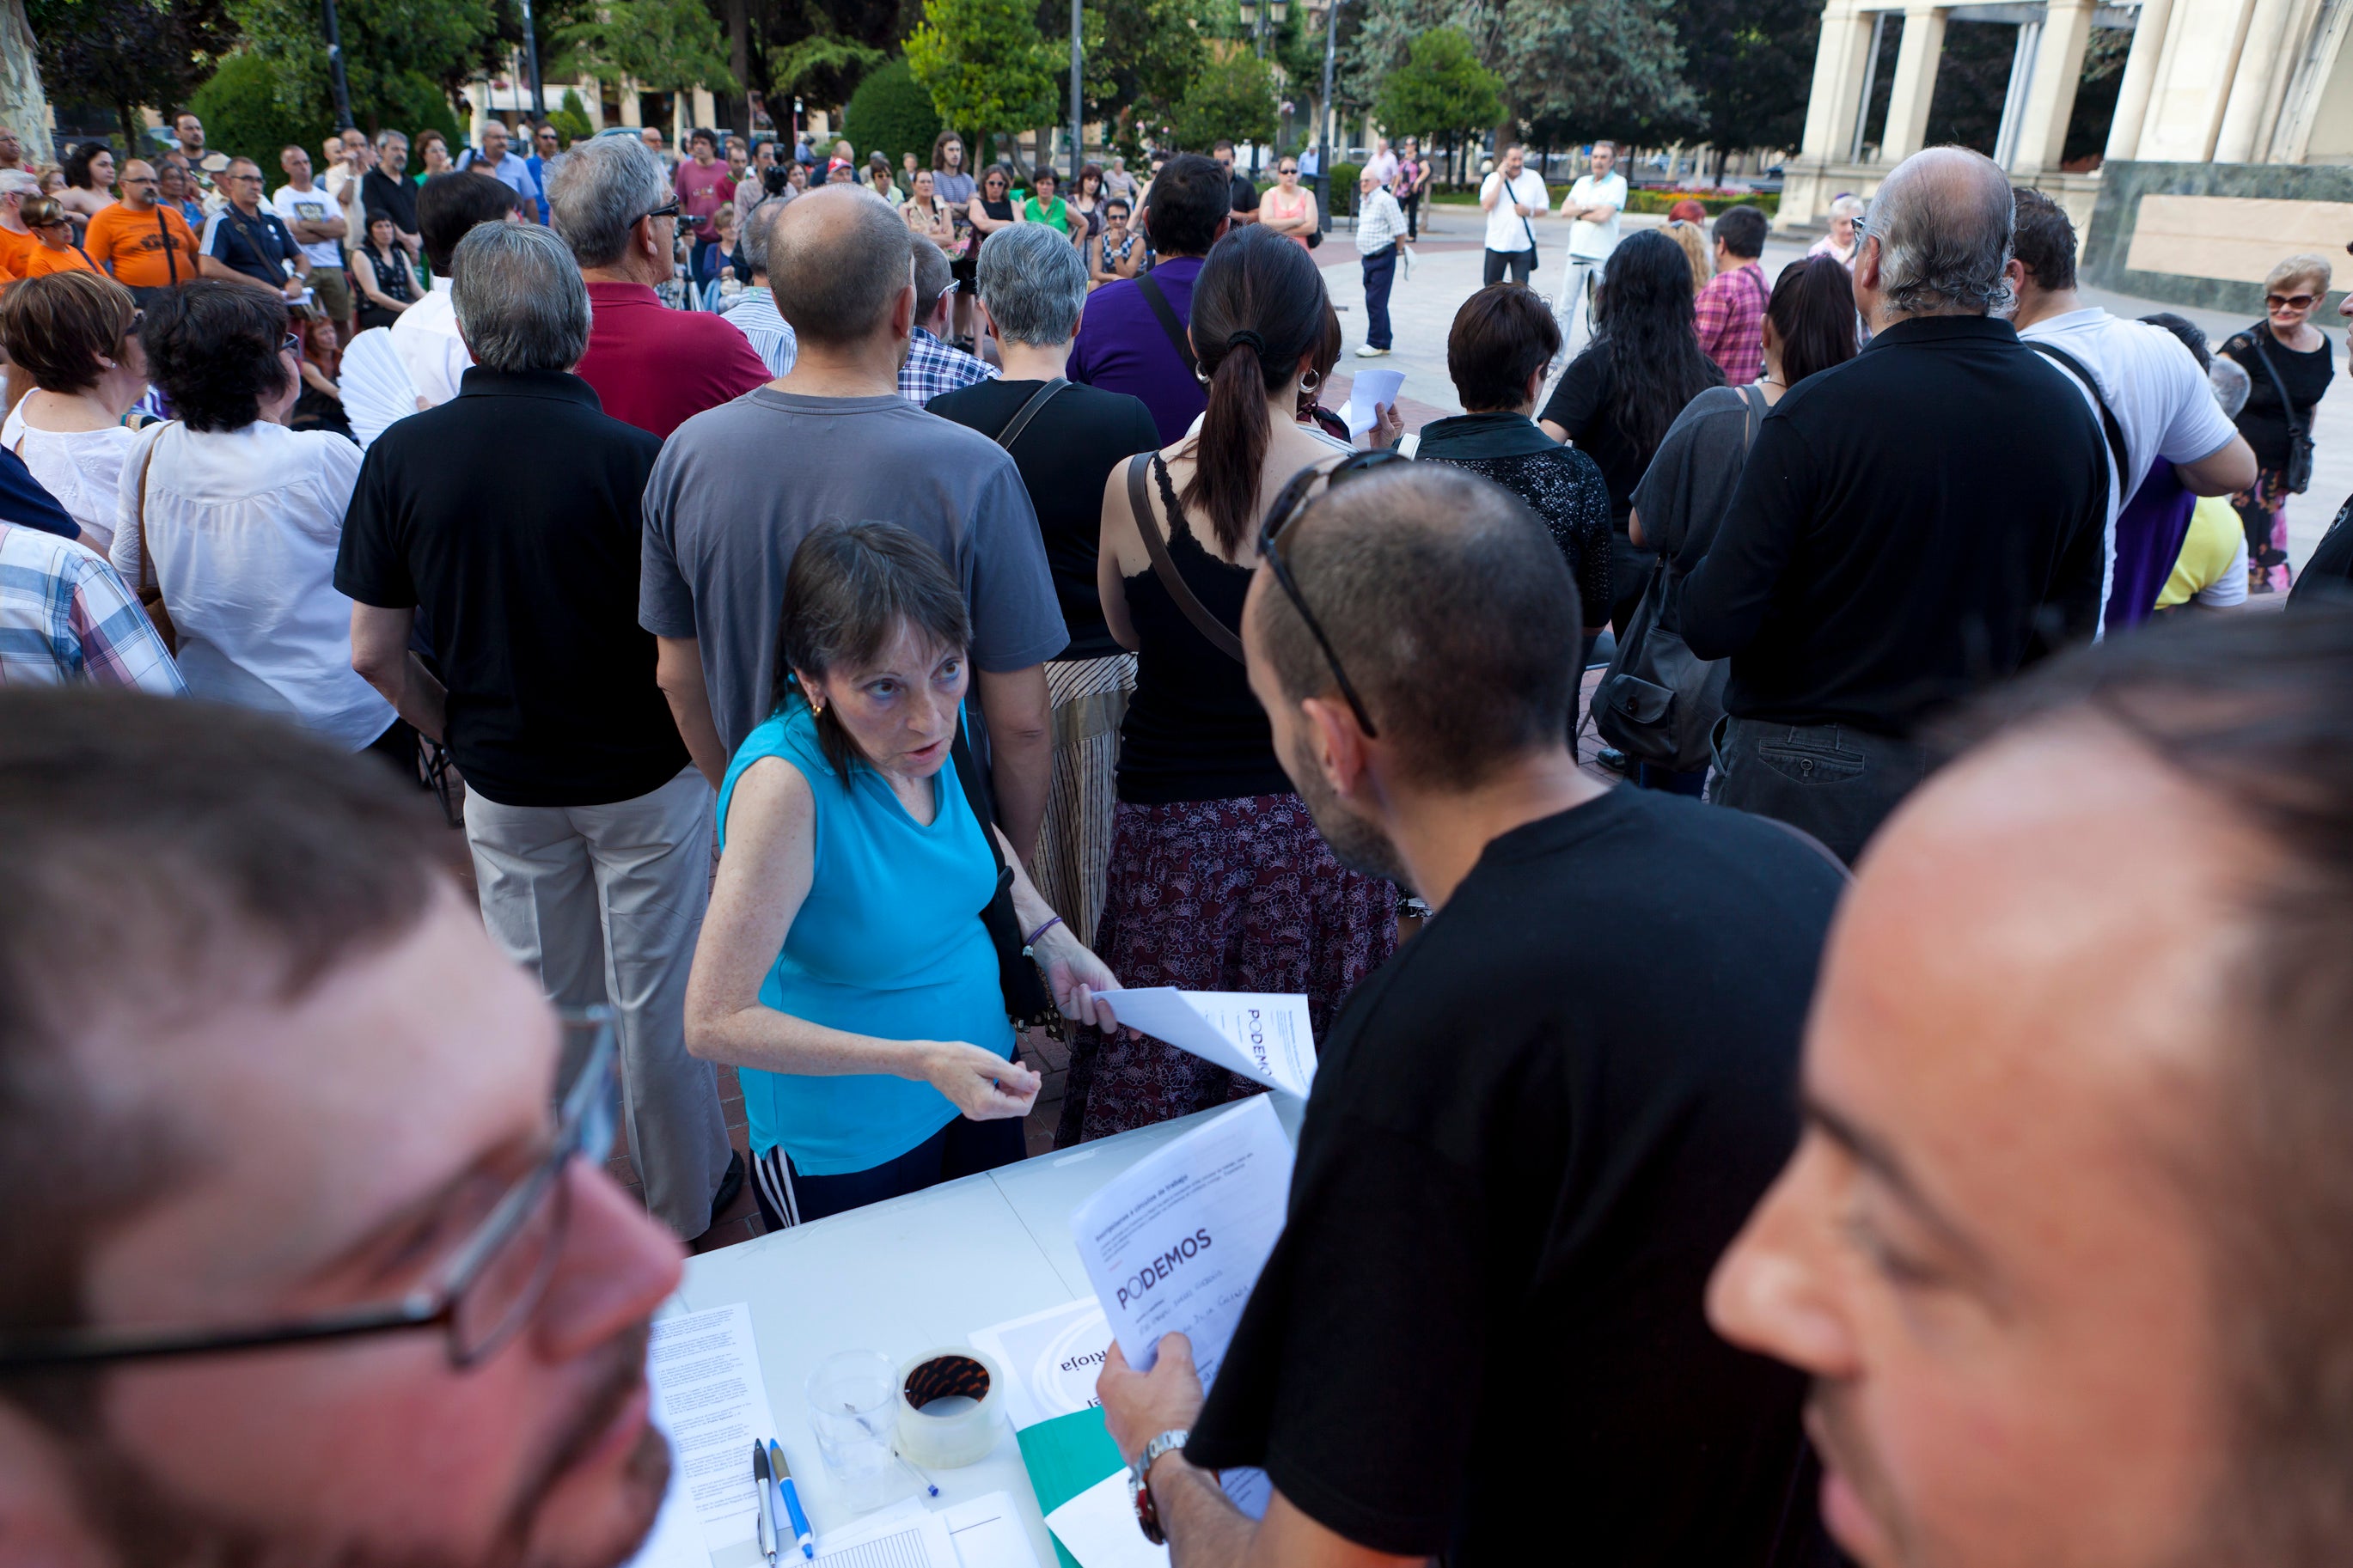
point(131, 245)
point(41, 261)
point(14, 248)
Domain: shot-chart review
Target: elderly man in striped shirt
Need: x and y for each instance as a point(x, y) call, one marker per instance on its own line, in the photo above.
point(1380, 240)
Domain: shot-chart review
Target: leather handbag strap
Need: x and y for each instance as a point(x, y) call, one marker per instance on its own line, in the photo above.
point(139, 521)
point(1150, 288)
point(1029, 411)
point(2287, 408)
point(1217, 634)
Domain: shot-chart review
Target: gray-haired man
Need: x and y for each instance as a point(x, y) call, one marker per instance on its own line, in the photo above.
point(754, 312)
point(1913, 525)
point(590, 828)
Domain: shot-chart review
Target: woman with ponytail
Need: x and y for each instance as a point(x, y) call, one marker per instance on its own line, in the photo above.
point(1219, 880)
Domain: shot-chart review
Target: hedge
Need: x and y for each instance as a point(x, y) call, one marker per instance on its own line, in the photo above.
point(244, 117)
point(893, 112)
point(1766, 202)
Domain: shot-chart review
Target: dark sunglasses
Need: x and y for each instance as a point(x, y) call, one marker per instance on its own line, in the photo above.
point(1288, 169)
point(2289, 302)
point(1289, 502)
point(477, 1294)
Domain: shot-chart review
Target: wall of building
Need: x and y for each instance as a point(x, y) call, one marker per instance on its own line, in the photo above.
point(2206, 234)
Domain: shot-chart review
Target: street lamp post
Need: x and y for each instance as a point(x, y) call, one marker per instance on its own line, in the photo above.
point(335, 69)
point(531, 63)
point(1078, 129)
point(1324, 154)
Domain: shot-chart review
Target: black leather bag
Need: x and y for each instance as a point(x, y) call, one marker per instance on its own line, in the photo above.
point(1028, 1002)
point(2297, 475)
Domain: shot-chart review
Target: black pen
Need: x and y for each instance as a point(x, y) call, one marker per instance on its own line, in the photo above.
point(767, 1521)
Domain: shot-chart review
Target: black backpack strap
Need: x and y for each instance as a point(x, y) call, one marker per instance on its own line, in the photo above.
point(1029, 411)
point(2126, 479)
point(1168, 323)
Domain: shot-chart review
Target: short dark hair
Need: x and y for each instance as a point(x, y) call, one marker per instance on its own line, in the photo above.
point(850, 587)
point(1452, 608)
point(1501, 336)
point(1221, 145)
point(1118, 202)
point(699, 134)
point(213, 346)
point(2256, 711)
point(1190, 198)
point(2192, 335)
point(1742, 230)
point(836, 286)
point(2042, 239)
point(450, 206)
point(226, 845)
point(1812, 312)
point(59, 326)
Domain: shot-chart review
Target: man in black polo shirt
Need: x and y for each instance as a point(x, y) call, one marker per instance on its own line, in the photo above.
point(1533, 1131)
point(1244, 189)
point(1911, 525)
point(590, 830)
point(245, 242)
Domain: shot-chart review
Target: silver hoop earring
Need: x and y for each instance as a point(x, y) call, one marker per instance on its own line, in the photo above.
point(1311, 382)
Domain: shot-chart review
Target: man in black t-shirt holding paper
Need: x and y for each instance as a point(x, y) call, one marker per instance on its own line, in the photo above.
point(1533, 1131)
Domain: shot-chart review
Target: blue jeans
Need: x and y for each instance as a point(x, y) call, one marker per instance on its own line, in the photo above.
point(1833, 780)
point(1380, 272)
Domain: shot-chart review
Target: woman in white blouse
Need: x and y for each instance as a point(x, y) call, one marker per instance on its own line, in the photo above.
point(77, 334)
point(238, 519)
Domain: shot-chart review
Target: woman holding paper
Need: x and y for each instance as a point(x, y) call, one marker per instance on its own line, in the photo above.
point(843, 965)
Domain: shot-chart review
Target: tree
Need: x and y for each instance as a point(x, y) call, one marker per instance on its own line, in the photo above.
point(985, 65)
point(570, 118)
point(1441, 89)
point(1751, 66)
point(245, 118)
point(1232, 98)
point(667, 45)
point(892, 112)
point(827, 58)
point(127, 53)
point(24, 108)
point(1141, 57)
point(388, 46)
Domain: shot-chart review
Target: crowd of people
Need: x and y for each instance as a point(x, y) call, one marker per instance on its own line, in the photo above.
point(983, 612)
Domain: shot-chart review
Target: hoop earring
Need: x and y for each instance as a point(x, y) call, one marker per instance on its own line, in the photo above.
point(1311, 383)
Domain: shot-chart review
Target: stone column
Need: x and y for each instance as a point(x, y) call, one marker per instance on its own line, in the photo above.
point(2245, 117)
point(1838, 80)
point(2051, 98)
point(706, 107)
point(1915, 82)
point(633, 109)
point(2140, 75)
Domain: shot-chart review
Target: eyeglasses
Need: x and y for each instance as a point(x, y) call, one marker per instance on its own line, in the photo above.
point(669, 209)
point(292, 345)
point(1289, 503)
point(480, 1293)
point(2289, 302)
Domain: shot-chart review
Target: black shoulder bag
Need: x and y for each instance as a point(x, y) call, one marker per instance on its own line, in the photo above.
point(1028, 411)
point(2297, 475)
point(1150, 288)
point(1028, 1001)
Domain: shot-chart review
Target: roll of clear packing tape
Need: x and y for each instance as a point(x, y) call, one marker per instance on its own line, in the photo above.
point(949, 1403)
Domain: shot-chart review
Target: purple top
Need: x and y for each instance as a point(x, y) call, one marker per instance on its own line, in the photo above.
point(2150, 531)
point(1121, 347)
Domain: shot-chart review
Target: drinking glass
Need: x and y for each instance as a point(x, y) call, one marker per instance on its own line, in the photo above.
point(853, 1397)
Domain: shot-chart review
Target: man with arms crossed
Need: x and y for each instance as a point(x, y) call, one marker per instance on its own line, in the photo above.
point(314, 1094)
point(1533, 1128)
point(2064, 1245)
point(1593, 205)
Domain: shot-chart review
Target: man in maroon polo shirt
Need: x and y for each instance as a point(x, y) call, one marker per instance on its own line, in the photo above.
point(611, 201)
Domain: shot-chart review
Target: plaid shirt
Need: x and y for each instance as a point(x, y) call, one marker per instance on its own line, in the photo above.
point(933, 368)
point(1732, 322)
point(65, 616)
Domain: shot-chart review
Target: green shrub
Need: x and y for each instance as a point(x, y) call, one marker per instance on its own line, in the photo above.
point(244, 117)
point(1766, 202)
point(412, 106)
point(892, 111)
point(570, 118)
point(1344, 188)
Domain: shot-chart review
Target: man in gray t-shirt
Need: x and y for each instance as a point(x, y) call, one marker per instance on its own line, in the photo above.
point(720, 535)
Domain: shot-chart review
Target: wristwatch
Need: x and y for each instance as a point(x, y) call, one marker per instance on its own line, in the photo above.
point(1139, 1482)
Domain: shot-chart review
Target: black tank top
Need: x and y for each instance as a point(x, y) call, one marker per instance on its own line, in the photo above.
point(1193, 730)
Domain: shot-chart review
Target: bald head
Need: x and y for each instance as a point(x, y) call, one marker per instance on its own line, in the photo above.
point(1450, 607)
point(1940, 228)
point(838, 261)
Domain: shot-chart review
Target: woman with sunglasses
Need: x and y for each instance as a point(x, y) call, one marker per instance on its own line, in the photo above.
point(1288, 209)
point(236, 520)
point(2288, 365)
point(55, 248)
point(77, 335)
point(991, 207)
point(1218, 879)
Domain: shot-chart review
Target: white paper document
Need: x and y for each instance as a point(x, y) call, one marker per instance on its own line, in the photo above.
point(705, 1371)
point(1263, 1036)
point(988, 1534)
point(1371, 388)
point(1173, 1244)
point(1098, 1528)
point(1050, 1360)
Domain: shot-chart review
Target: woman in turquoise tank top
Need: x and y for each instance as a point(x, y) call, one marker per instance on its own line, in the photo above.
point(843, 966)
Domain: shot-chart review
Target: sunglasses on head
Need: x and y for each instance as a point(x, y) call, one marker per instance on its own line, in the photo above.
point(2289, 302)
point(1289, 502)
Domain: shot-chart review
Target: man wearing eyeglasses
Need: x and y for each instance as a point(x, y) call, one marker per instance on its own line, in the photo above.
point(2178, 444)
point(300, 1265)
point(16, 240)
point(141, 240)
point(245, 242)
point(1537, 1127)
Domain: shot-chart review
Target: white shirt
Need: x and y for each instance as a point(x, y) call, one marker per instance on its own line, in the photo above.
point(1506, 229)
point(754, 314)
point(82, 469)
point(425, 338)
point(1595, 241)
point(313, 205)
point(2163, 403)
point(243, 527)
point(1380, 222)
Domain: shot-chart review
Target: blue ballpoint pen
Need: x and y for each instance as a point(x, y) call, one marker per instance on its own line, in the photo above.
point(803, 1536)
